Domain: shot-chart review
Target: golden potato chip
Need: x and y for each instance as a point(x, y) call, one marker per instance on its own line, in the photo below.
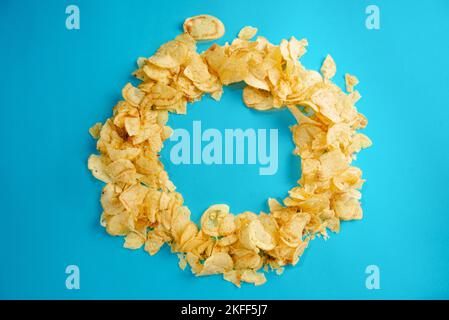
point(98, 168)
point(297, 48)
point(254, 236)
point(170, 55)
point(132, 94)
point(216, 264)
point(359, 142)
point(197, 70)
point(95, 130)
point(121, 170)
point(347, 207)
point(156, 73)
point(254, 277)
point(328, 69)
point(134, 241)
point(216, 221)
point(257, 99)
point(348, 179)
point(247, 33)
point(204, 27)
point(351, 81)
point(139, 200)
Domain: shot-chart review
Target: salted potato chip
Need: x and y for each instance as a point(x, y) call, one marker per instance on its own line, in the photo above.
point(204, 27)
point(351, 81)
point(164, 95)
point(217, 221)
point(257, 99)
point(297, 48)
point(134, 241)
point(156, 73)
point(292, 232)
point(348, 179)
point(332, 163)
point(359, 142)
point(247, 33)
point(132, 94)
point(122, 170)
point(95, 130)
point(254, 236)
point(328, 69)
point(170, 55)
point(254, 277)
point(347, 207)
point(98, 168)
point(197, 70)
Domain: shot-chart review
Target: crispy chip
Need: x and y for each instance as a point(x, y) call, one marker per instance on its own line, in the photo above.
point(95, 130)
point(217, 263)
point(351, 82)
point(247, 33)
point(328, 69)
point(204, 27)
point(140, 202)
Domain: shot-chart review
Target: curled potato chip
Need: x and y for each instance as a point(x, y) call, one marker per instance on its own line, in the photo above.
point(204, 27)
point(170, 55)
point(134, 241)
point(292, 232)
point(347, 207)
point(156, 73)
point(132, 94)
point(257, 99)
point(351, 81)
point(359, 142)
point(254, 236)
point(122, 170)
point(217, 221)
point(328, 69)
point(163, 95)
point(254, 277)
point(98, 168)
point(197, 70)
point(95, 130)
point(217, 263)
point(348, 179)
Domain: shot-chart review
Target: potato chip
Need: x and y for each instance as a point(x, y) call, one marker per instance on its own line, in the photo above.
point(204, 27)
point(328, 69)
point(254, 236)
point(351, 82)
point(134, 241)
point(257, 99)
point(247, 33)
point(132, 94)
point(98, 168)
point(95, 130)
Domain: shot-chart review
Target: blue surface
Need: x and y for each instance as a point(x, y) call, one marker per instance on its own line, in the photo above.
point(56, 83)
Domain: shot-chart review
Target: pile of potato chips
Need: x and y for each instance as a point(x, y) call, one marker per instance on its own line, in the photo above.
point(140, 202)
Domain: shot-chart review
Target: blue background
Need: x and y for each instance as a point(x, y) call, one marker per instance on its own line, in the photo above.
point(56, 83)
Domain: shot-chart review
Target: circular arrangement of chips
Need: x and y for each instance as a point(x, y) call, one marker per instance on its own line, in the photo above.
point(140, 202)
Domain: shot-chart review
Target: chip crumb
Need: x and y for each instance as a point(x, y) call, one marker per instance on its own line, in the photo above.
point(279, 271)
point(95, 130)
